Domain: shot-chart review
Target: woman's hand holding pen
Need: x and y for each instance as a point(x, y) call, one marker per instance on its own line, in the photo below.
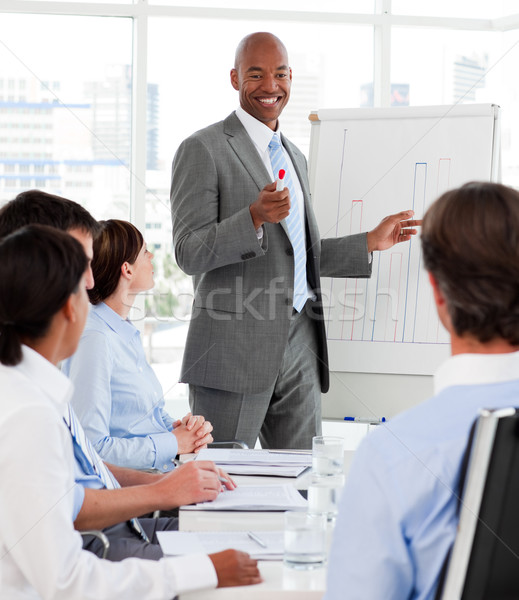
point(226, 480)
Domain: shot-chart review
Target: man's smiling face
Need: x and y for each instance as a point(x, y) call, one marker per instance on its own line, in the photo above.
point(263, 78)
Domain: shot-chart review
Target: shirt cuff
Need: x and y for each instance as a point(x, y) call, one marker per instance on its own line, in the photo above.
point(166, 448)
point(259, 232)
point(194, 572)
point(79, 498)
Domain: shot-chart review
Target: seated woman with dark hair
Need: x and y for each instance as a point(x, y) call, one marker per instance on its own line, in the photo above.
point(43, 308)
point(118, 397)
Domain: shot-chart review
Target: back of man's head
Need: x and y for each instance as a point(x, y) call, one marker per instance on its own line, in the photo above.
point(470, 242)
point(37, 207)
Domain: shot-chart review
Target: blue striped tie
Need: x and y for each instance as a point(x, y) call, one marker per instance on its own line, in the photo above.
point(294, 224)
point(85, 452)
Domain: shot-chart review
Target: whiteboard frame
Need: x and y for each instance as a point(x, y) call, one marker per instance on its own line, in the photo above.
point(440, 112)
point(407, 112)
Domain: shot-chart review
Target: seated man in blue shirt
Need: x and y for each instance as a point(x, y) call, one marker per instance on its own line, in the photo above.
point(398, 512)
point(113, 510)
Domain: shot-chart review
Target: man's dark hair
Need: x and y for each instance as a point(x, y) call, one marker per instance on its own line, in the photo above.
point(35, 206)
point(470, 242)
point(40, 267)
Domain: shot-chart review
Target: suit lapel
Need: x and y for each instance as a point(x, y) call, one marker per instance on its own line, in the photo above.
point(244, 149)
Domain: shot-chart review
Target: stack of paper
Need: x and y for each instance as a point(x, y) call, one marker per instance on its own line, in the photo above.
point(255, 497)
point(258, 462)
point(264, 545)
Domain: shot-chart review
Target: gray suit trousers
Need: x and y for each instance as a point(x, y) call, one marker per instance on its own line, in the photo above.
point(125, 543)
point(288, 413)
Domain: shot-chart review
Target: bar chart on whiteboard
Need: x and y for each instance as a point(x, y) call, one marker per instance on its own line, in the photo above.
point(369, 168)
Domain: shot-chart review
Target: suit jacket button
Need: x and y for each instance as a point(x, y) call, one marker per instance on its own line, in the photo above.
point(290, 251)
point(288, 302)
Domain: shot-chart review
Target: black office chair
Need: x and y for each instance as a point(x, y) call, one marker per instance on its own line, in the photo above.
point(484, 562)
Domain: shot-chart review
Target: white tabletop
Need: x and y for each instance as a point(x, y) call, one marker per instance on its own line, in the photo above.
point(280, 582)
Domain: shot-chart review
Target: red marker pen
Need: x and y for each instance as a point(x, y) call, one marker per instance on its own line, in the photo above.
point(280, 183)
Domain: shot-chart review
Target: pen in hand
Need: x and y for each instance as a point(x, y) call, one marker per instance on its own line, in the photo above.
point(225, 480)
point(227, 484)
point(280, 181)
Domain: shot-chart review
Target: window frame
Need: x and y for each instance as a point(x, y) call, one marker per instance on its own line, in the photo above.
point(381, 19)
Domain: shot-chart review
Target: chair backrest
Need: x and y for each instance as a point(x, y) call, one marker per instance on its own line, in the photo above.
point(484, 563)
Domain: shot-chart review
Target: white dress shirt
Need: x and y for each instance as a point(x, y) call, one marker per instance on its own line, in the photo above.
point(41, 554)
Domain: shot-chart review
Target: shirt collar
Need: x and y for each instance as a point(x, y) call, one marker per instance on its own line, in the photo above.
point(47, 376)
point(476, 369)
point(259, 133)
point(121, 326)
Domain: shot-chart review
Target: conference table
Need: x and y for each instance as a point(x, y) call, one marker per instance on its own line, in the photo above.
point(279, 581)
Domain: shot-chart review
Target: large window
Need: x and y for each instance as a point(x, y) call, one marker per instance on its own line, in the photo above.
point(449, 67)
point(65, 109)
point(94, 102)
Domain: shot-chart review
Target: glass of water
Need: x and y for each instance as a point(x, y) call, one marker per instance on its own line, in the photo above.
point(323, 496)
point(305, 540)
point(327, 456)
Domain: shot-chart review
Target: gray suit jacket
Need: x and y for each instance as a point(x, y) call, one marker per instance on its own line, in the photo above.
point(243, 287)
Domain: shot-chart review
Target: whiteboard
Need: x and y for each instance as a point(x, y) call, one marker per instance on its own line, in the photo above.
point(369, 163)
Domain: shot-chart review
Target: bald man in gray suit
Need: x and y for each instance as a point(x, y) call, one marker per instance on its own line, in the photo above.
point(256, 358)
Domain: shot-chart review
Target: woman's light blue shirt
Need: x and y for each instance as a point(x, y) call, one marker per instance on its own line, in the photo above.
point(118, 398)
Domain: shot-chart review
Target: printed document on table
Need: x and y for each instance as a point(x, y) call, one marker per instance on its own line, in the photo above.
point(174, 543)
point(223, 456)
point(255, 497)
point(268, 470)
